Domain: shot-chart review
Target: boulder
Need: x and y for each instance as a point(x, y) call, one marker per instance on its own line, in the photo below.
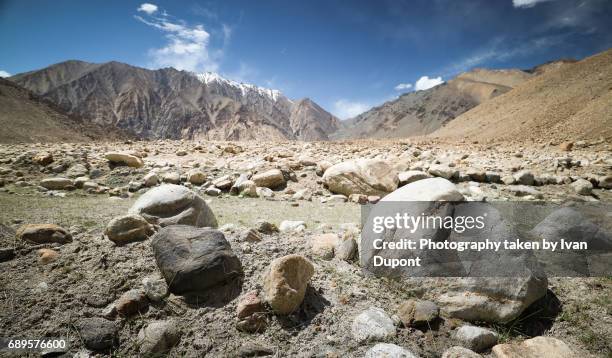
point(525, 177)
point(170, 204)
point(57, 183)
point(171, 178)
point(128, 228)
point(158, 337)
point(362, 176)
point(388, 350)
point(538, 347)
point(271, 179)
point(285, 282)
point(77, 170)
point(477, 339)
point(372, 324)
point(197, 262)
point(430, 189)
point(44, 234)
point(118, 158)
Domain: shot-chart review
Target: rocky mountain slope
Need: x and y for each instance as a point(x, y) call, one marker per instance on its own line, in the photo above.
point(422, 112)
point(25, 117)
point(569, 101)
point(167, 103)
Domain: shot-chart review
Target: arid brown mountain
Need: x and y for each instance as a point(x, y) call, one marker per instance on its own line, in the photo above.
point(568, 101)
point(422, 112)
point(25, 117)
point(168, 103)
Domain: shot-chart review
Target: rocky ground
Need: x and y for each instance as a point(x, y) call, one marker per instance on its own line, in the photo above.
point(96, 277)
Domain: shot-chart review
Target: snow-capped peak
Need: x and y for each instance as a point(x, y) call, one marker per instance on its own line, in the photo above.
point(245, 88)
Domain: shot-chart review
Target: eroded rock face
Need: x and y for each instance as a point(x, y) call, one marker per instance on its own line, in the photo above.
point(44, 234)
point(124, 159)
point(174, 204)
point(285, 283)
point(361, 176)
point(197, 262)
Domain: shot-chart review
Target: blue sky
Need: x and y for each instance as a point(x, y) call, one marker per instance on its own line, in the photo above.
point(346, 55)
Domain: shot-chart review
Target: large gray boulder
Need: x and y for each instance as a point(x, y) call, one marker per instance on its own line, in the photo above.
point(171, 204)
point(487, 286)
point(361, 176)
point(197, 262)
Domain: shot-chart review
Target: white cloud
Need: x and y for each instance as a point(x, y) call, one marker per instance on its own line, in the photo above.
point(4, 74)
point(526, 3)
point(345, 109)
point(187, 46)
point(148, 8)
point(403, 86)
point(425, 82)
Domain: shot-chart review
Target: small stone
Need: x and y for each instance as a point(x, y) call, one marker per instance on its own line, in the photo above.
point(492, 177)
point(57, 183)
point(47, 256)
point(171, 178)
point(97, 333)
point(265, 227)
point(212, 191)
point(373, 199)
point(285, 283)
point(525, 177)
point(475, 338)
point(124, 159)
point(358, 198)
point(442, 171)
point(605, 182)
point(566, 146)
point(414, 313)
point(582, 187)
point(44, 234)
point(196, 177)
point(460, 352)
point(150, 179)
point(411, 176)
point(388, 350)
point(324, 245)
point(508, 180)
point(250, 235)
point(223, 183)
point(271, 179)
point(534, 348)
point(131, 303)
point(158, 337)
point(155, 289)
point(249, 304)
point(128, 228)
point(255, 323)
point(292, 226)
point(524, 190)
point(264, 192)
point(181, 153)
point(346, 249)
point(372, 324)
point(250, 349)
point(43, 158)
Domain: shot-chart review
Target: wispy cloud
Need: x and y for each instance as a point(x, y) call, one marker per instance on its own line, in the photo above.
point(403, 86)
point(148, 8)
point(526, 3)
point(345, 109)
point(425, 83)
point(4, 74)
point(500, 51)
point(187, 46)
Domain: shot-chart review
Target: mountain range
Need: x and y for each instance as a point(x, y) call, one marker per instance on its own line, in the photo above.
point(168, 103)
point(567, 96)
